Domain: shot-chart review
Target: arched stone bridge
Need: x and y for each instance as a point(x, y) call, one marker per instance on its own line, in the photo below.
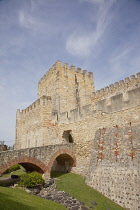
point(41, 159)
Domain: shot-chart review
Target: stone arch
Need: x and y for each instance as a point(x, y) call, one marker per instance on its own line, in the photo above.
point(29, 163)
point(60, 156)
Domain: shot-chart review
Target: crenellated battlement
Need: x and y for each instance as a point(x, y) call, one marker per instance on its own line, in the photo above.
point(77, 70)
point(43, 101)
point(114, 103)
point(118, 87)
point(58, 66)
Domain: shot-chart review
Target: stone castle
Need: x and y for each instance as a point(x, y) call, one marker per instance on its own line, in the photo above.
point(104, 125)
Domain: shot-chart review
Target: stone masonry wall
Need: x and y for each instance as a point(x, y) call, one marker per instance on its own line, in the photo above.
point(123, 86)
point(84, 131)
point(34, 125)
point(115, 165)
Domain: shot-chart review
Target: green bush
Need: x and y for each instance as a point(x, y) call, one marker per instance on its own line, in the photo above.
point(12, 168)
point(31, 179)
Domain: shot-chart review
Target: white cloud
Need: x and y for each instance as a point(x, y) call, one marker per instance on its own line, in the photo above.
point(29, 16)
point(120, 53)
point(25, 20)
point(28, 21)
point(125, 60)
point(82, 45)
point(79, 45)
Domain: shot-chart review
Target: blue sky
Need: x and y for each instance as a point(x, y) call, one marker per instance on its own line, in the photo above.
point(102, 36)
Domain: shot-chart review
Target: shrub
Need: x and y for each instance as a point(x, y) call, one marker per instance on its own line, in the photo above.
point(12, 168)
point(31, 179)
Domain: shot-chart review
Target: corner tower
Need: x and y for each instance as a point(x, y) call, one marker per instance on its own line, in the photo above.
point(69, 87)
point(61, 89)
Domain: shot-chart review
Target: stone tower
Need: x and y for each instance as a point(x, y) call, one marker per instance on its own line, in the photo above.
point(69, 88)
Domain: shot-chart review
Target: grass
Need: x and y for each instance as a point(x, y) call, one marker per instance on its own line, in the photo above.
point(18, 172)
point(12, 168)
point(75, 185)
point(17, 199)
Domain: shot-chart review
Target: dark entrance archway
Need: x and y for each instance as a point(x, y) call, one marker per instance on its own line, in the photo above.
point(63, 163)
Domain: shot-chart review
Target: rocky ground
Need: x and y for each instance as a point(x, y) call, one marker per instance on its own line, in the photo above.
point(49, 191)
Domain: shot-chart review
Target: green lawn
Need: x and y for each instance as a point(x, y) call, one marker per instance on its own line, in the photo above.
point(17, 199)
point(18, 172)
point(75, 185)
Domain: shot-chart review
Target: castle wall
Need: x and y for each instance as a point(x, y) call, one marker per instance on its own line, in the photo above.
point(105, 125)
point(85, 125)
point(108, 142)
point(108, 152)
point(115, 164)
point(118, 87)
point(34, 126)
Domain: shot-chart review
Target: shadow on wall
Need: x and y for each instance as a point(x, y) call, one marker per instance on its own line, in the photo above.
point(63, 163)
point(30, 167)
